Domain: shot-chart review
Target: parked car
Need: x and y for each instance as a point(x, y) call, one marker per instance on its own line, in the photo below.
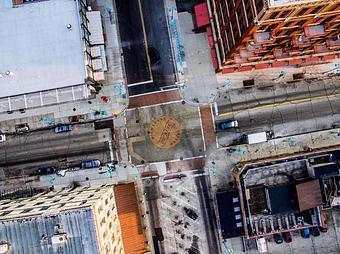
point(261, 245)
point(305, 233)
point(2, 138)
point(62, 128)
point(315, 231)
point(278, 238)
point(45, 170)
point(228, 124)
point(90, 164)
point(287, 237)
point(191, 213)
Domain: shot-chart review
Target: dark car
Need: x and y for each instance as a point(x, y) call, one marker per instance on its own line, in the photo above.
point(305, 233)
point(315, 231)
point(62, 128)
point(191, 213)
point(228, 124)
point(45, 170)
point(287, 236)
point(90, 164)
point(278, 238)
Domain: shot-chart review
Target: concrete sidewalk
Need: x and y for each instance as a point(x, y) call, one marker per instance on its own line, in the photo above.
point(220, 163)
point(202, 85)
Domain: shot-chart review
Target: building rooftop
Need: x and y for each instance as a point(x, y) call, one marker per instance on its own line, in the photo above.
point(280, 199)
point(308, 195)
point(129, 218)
point(26, 235)
point(38, 52)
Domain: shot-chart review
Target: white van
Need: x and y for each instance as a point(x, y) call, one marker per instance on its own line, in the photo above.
point(261, 244)
point(257, 137)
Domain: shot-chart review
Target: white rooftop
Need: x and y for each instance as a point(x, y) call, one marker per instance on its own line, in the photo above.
point(37, 48)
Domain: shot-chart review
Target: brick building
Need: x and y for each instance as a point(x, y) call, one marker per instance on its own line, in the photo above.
point(271, 33)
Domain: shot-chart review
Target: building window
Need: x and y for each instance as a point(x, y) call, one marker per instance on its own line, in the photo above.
point(39, 203)
point(5, 213)
point(271, 27)
point(27, 210)
point(284, 14)
point(44, 208)
point(274, 14)
point(100, 208)
point(108, 213)
point(301, 22)
point(106, 201)
point(303, 11)
point(316, 10)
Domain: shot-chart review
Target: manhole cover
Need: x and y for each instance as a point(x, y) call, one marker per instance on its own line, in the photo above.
point(165, 132)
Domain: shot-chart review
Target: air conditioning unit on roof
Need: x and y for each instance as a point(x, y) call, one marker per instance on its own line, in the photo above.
point(59, 238)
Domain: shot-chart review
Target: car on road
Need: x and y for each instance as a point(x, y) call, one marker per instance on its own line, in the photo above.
point(261, 245)
point(2, 138)
point(228, 124)
point(278, 238)
point(90, 164)
point(287, 236)
point(305, 233)
point(190, 213)
point(62, 128)
point(45, 170)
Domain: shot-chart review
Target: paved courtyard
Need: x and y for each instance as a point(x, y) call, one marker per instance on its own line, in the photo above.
point(167, 201)
point(139, 122)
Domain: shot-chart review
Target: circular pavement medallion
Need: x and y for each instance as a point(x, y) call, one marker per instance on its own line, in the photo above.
point(165, 132)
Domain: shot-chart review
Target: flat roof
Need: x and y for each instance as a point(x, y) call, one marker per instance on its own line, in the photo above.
point(25, 235)
point(309, 194)
point(37, 47)
point(280, 199)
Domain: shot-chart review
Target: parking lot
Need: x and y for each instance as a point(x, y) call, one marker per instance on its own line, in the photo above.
point(325, 243)
point(184, 232)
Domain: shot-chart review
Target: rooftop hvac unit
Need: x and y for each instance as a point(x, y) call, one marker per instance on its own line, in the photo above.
point(59, 238)
point(4, 248)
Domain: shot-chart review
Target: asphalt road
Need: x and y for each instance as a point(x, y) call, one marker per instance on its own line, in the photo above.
point(133, 41)
point(146, 45)
point(27, 152)
point(159, 47)
point(294, 110)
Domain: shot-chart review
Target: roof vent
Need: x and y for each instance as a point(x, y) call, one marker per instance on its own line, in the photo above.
point(69, 26)
point(9, 73)
point(59, 238)
point(4, 247)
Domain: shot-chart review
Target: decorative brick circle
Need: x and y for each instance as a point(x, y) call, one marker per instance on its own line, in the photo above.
point(165, 132)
